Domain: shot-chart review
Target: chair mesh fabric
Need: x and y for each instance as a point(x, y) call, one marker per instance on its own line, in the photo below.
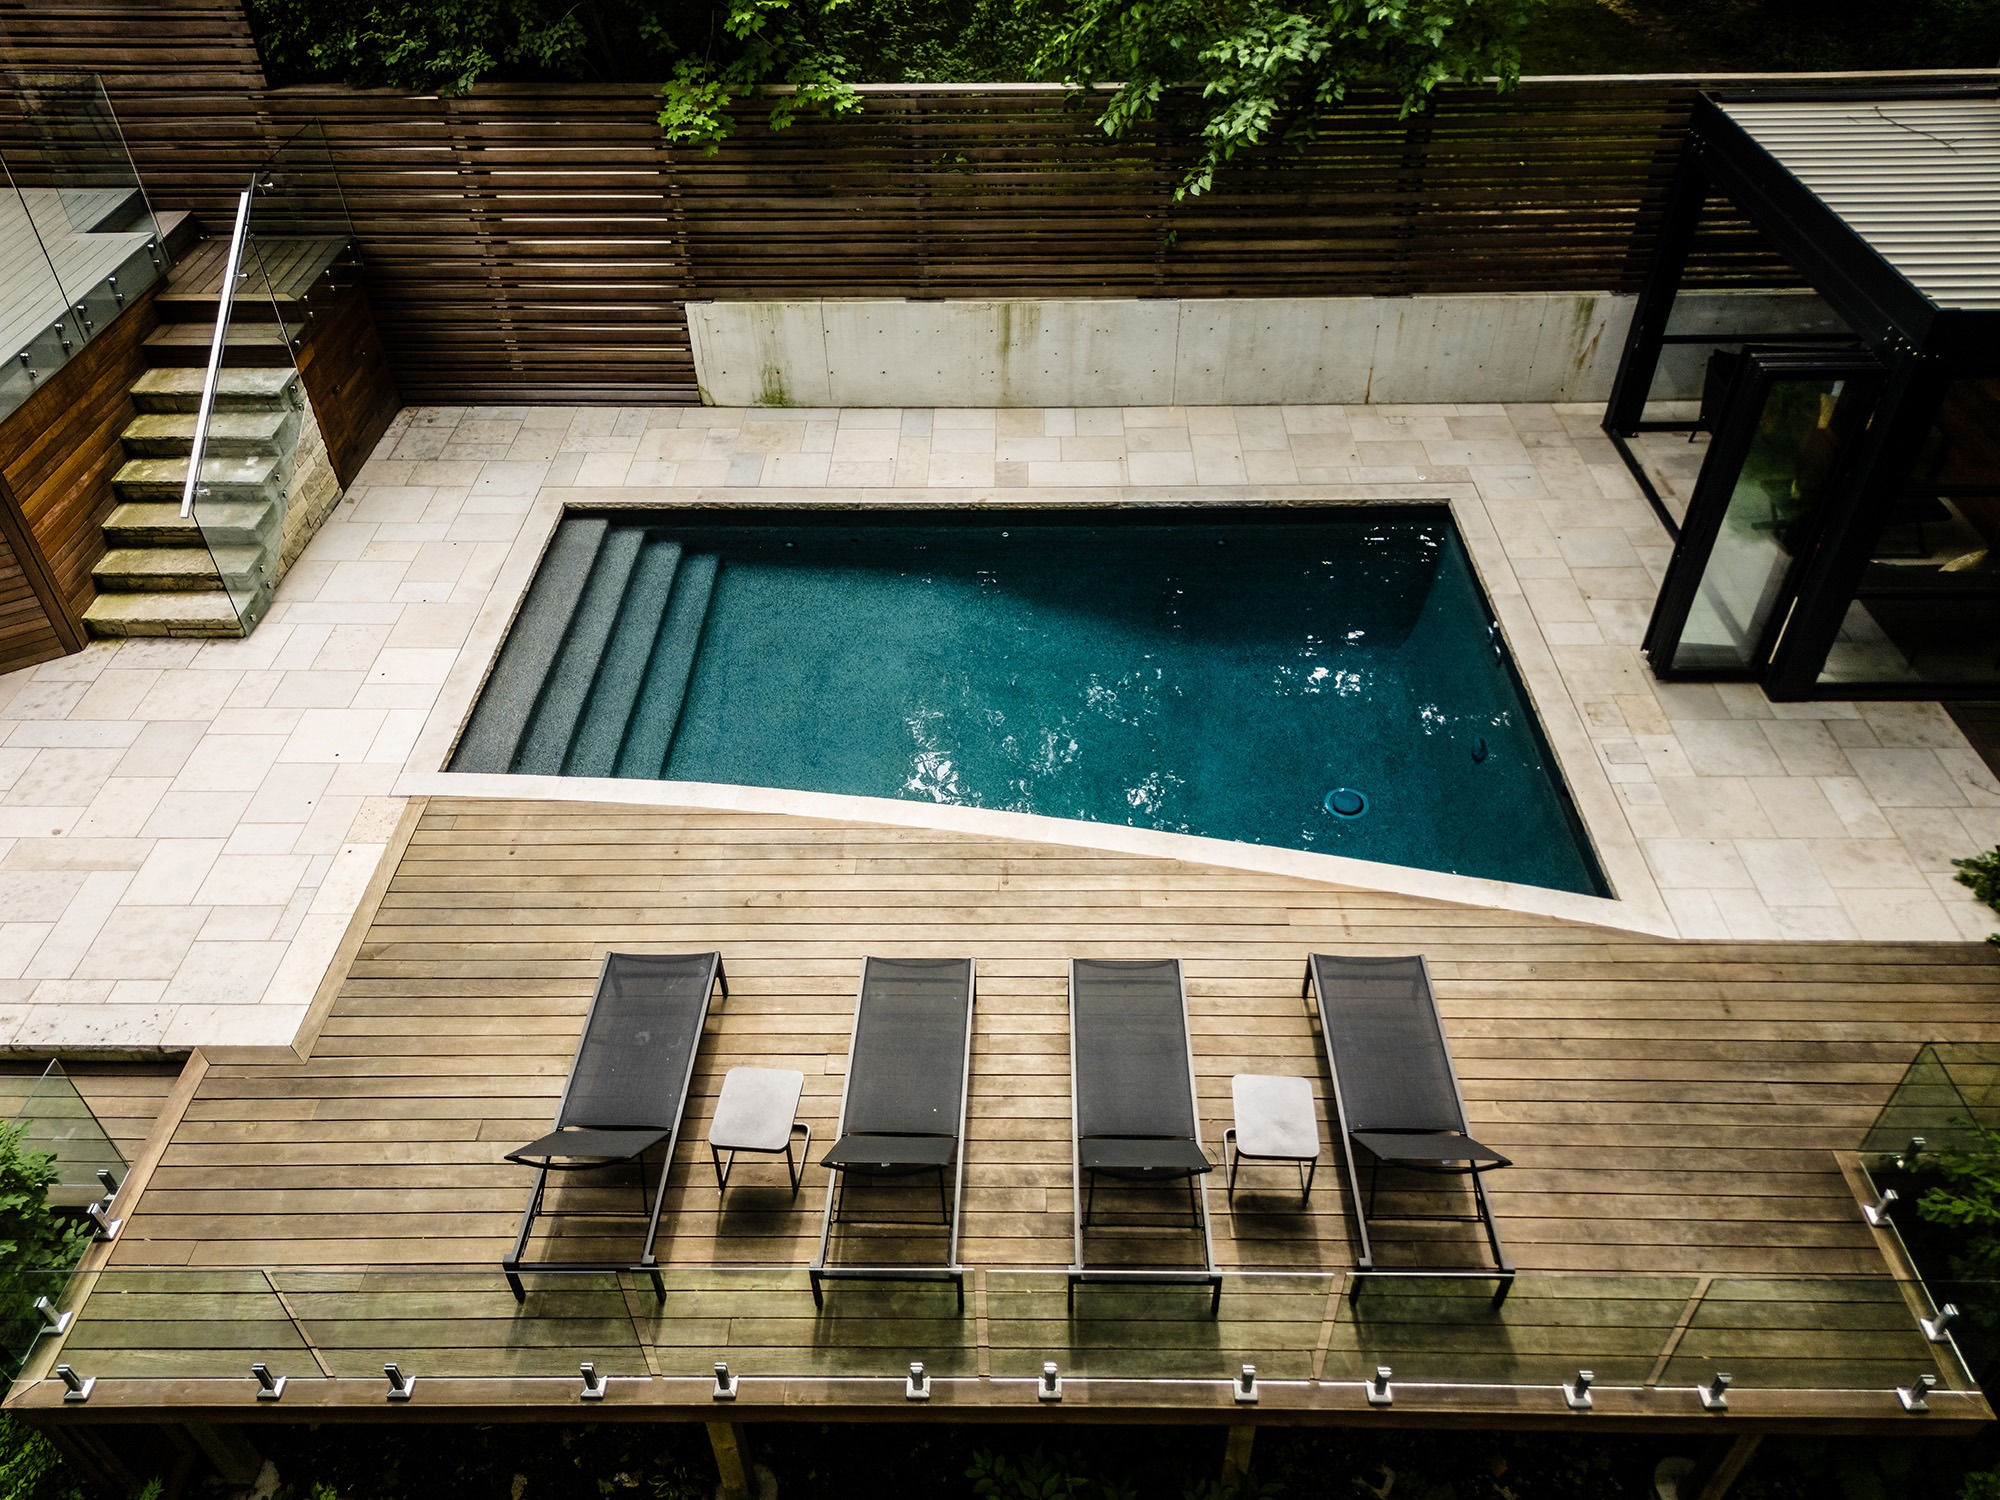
point(632, 1066)
point(1130, 1036)
point(906, 1073)
point(1388, 1048)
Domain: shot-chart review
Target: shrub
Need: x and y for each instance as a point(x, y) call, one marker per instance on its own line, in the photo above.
point(1981, 875)
point(34, 1239)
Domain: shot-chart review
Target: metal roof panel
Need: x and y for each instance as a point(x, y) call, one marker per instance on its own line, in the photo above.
point(1918, 180)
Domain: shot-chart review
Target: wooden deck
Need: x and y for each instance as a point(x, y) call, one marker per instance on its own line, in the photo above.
point(1674, 1110)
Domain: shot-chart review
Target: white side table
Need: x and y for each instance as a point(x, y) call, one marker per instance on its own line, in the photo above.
point(758, 1111)
point(1275, 1121)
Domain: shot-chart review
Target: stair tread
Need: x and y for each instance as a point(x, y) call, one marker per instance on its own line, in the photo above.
point(594, 751)
point(504, 710)
point(203, 335)
point(216, 468)
point(657, 714)
point(206, 613)
point(177, 388)
point(178, 562)
point(546, 743)
point(159, 523)
point(265, 424)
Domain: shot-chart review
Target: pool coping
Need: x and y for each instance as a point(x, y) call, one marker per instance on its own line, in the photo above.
point(1636, 903)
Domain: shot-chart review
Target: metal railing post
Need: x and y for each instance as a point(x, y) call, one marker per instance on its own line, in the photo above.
point(222, 310)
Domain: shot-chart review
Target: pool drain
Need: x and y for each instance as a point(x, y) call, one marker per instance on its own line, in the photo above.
point(1345, 802)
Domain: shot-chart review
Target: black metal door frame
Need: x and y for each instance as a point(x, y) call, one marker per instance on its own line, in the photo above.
point(1730, 447)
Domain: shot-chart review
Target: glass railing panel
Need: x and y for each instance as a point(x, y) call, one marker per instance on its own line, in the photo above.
point(1948, 1094)
point(261, 458)
point(58, 1121)
point(1633, 1333)
point(464, 1323)
point(37, 334)
point(154, 1324)
point(79, 238)
point(1856, 1334)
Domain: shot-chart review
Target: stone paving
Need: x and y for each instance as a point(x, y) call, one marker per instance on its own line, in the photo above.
point(186, 827)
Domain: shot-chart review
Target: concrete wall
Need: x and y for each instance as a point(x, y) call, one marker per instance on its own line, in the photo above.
point(1209, 352)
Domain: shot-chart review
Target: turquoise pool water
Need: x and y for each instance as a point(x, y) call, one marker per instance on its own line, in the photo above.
point(1329, 682)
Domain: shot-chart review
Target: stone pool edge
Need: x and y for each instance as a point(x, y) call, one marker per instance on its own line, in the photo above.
point(1635, 905)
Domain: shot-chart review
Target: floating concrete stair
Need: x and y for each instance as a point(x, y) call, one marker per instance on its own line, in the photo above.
point(231, 434)
point(159, 523)
point(250, 476)
point(210, 613)
point(235, 390)
point(176, 570)
point(249, 344)
point(595, 672)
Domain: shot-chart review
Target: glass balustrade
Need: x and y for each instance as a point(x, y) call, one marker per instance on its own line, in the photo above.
point(258, 455)
point(1663, 1339)
point(78, 240)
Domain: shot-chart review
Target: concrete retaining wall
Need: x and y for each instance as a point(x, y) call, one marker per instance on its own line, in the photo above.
point(1210, 352)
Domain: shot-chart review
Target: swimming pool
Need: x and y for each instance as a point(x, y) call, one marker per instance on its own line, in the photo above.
point(1328, 680)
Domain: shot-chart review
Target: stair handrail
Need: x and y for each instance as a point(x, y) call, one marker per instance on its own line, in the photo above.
point(231, 273)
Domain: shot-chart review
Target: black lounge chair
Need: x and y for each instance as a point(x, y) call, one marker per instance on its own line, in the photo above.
point(1131, 1068)
point(902, 1112)
point(1395, 1096)
point(627, 1090)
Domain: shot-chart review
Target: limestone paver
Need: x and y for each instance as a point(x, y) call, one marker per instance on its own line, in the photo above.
point(186, 827)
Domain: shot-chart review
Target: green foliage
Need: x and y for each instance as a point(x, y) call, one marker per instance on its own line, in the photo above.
point(34, 1240)
point(1236, 74)
point(775, 41)
point(441, 46)
point(1983, 1485)
point(1981, 875)
point(1026, 1476)
point(1233, 74)
point(30, 1466)
point(1966, 1197)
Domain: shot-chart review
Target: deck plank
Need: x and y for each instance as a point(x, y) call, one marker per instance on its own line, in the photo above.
point(1672, 1107)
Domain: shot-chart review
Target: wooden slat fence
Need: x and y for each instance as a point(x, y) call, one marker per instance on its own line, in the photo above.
point(539, 242)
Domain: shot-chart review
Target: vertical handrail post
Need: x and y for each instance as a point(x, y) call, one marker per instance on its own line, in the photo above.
point(222, 310)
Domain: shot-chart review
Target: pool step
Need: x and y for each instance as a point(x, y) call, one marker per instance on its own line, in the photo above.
point(595, 670)
point(546, 740)
point(493, 736)
point(650, 735)
point(594, 751)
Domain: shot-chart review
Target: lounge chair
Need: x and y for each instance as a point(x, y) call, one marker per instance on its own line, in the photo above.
point(1132, 1101)
point(1395, 1096)
point(627, 1090)
point(902, 1111)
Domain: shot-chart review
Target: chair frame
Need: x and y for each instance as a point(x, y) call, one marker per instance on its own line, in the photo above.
point(950, 1204)
point(1364, 1206)
point(516, 1263)
point(1080, 1200)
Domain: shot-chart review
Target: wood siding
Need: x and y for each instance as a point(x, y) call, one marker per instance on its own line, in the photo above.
point(60, 449)
point(540, 242)
point(58, 452)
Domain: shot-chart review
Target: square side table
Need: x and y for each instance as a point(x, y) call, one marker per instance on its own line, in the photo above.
point(1275, 1121)
point(758, 1111)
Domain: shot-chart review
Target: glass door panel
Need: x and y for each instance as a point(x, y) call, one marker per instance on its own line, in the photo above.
point(1757, 510)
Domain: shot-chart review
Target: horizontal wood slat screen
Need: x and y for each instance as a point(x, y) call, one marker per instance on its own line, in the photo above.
point(539, 242)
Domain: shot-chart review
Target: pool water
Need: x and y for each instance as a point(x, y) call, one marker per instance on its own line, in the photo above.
point(1329, 682)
